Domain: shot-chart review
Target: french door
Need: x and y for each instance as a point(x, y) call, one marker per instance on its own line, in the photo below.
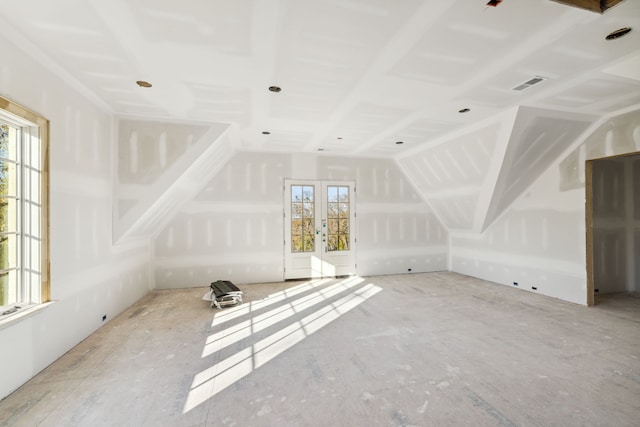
point(319, 226)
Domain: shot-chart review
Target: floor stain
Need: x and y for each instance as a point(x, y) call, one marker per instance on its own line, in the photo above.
point(23, 409)
point(137, 312)
point(491, 410)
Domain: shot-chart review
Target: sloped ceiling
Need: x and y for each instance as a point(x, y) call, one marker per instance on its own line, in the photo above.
point(357, 76)
point(457, 175)
point(537, 138)
point(472, 178)
point(454, 175)
point(160, 167)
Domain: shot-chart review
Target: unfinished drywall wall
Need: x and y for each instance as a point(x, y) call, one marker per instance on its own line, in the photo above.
point(397, 232)
point(160, 166)
point(616, 224)
point(145, 151)
point(538, 137)
point(470, 178)
point(90, 277)
point(539, 242)
point(234, 228)
point(231, 230)
point(457, 175)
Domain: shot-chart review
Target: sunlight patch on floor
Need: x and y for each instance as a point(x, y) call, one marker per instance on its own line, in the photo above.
point(241, 310)
point(235, 333)
point(221, 375)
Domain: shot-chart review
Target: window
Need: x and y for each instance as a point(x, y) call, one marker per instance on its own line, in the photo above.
point(338, 217)
point(24, 245)
point(302, 218)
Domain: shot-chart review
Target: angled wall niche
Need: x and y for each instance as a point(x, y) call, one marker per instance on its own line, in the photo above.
point(160, 166)
point(538, 137)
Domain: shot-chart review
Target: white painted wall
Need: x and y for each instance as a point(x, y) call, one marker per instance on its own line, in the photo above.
point(540, 239)
point(89, 276)
point(234, 228)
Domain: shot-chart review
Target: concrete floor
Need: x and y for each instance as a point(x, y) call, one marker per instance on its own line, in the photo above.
point(437, 349)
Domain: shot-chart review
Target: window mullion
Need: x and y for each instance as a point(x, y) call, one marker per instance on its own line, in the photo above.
point(24, 273)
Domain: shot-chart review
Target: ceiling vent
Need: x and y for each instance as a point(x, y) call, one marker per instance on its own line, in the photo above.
point(529, 83)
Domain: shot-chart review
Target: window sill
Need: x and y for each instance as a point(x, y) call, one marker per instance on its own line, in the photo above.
point(22, 314)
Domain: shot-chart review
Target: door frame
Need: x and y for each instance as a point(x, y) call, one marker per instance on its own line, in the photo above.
point(320, 206)
point(588, 185)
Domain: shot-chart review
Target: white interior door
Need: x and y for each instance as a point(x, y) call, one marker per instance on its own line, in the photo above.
point(319, 229)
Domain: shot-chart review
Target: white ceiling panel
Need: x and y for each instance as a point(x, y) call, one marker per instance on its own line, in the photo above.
point(420, 60)
point(192, 23)
point(425, 129)
point(596, 95)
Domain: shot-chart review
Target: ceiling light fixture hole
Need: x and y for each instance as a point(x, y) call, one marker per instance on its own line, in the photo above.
point(464, 110)
point(618, 33)
point(275, 89)
point(142, 83)
point(266, 132)
point(399, 142)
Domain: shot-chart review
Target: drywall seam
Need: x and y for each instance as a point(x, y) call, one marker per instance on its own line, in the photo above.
point(173, 181)
point(467, 130)
point(25, 45)
point(80, 185)
point(579, 141)
point(421, 194)
point(113, 172)
point(506, 121)
point(568, 268)
point(494, 170)
point(526, 116)
point(202, 207)
point(67, 286)
point(382, 62)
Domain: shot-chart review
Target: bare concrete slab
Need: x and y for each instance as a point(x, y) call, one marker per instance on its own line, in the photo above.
point(408, 350)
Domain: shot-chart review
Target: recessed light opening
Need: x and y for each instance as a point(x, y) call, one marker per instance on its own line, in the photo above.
point(275, 89)
point(618, 33)
point(399, 142)
point(142, 83)
point(320, 149)
point(464, 110)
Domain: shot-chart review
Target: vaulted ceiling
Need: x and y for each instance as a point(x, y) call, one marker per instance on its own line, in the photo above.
point(357, 76)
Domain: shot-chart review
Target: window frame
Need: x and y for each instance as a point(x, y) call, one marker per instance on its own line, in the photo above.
point(32, 123)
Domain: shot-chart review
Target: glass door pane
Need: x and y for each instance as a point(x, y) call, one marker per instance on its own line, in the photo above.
point(303, 214)
point(338, 218)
